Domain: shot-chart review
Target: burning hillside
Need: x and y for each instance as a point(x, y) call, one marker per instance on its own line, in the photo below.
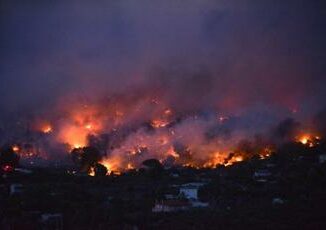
point(124, 132)
point(198, 83)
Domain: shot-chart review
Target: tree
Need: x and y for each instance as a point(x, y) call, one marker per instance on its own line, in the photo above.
point(154, 167)
point(153, 164)
point(86, 157)
point(8, 158)
point(100, 170)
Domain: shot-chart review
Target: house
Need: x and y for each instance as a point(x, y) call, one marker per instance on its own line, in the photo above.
point(51, 221)
point(277, 201)
point(322, 158)
point(262, 175)
point(185, 200)
point(24, 171)
point(171, 206)
point(190, 190)
point(16, 189)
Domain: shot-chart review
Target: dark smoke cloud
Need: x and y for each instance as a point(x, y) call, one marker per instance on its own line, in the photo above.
point(229, 55)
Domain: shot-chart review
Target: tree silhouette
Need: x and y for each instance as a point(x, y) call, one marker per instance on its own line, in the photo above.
point(8, 158)
point(86, 157)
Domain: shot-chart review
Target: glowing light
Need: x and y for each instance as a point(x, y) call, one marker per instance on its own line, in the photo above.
point(172, 152)
point(47, 129)
point(74, 136)
point(91, 172)
point(112, 165)
point(304, 140)
point(78, 146)
point(222, 119)
point(308, 140)
point(130, 166)
point(7, 168)
point(159, 123)
point(88, 126)
point(238, 158)
point(15, 148)
point(168, 112)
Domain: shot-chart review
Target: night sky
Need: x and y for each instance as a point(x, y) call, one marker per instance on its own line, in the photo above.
point(226, 54)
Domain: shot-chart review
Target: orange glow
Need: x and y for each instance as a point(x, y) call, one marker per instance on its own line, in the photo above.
point(168, 112)
point(308, 140)
point(47, 129)
point(159, 123)
point(238, 159)
point(130, 166)
point(265, 153)
point(15, 148)
point(88, 126)
point(43, 126)
point(82, 121)
point(304, 139)
point(173, 153)
point(112, 165)
point(91, 171)
point(74, 136)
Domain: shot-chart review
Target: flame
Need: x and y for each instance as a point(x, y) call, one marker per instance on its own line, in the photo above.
point(112, 165)
point(47, 129)
point(173, 153)
point(304, 139)
point(15, 148)
point(81, 121)
point(74, 136)
point(130, 166)
point(168, 112)
point(158, 123)
point(88, 126)
point(308, 140)
point(266, 152)
point(91, 172)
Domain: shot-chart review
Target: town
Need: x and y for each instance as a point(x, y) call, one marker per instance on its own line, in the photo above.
point(284, 191)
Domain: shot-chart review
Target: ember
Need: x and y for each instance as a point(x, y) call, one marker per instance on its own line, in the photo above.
point(15, 148)
point(309, 140)
point(47, 129)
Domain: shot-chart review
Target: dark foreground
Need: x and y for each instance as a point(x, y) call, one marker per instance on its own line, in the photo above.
point(286, 191)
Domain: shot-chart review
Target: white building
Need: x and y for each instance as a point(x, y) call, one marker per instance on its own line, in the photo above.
point(15, 189)
point(322, 158)
point(190, 190)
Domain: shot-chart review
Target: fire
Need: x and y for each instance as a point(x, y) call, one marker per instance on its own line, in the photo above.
point(238, 159)
point(130, 166)
point(266, 152)
point(304, 140)
point(172, 152)
point(43, 126)
point(74, 135)
point(91, 172)
point(112, 165)
point(217, 159)
point(159, 123)
point(15, 148)
point(121, 133)
point(233, 160)
point(308, 140)
point(78, 146)
point(88, 126)
point(168, 112)
point(47, 129)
